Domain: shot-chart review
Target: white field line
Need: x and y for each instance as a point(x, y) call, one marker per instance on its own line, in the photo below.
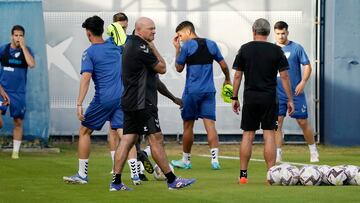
point(257, 160)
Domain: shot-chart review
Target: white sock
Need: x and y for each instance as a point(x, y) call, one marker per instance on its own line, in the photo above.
point(112, 153)
point(147, 150)
point(83, 167)
point(16, 145)
point(140, 167)
point(278, 151)
point(186, 158)
point(133, 167)
point(312, 148)
point(214, 155)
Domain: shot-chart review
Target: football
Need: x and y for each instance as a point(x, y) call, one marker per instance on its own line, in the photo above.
point(310, 175)
point(273, 175)
point(324, 169)
point(336, 175)
point(351, 171)
point(289, 175)
point(158, 174)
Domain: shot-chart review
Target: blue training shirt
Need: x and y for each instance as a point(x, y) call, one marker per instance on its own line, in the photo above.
point(13, 79)
point(199, 78)
point(104, 62)
point(296, 57)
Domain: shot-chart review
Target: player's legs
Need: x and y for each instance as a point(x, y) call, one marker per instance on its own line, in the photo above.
point(187, 142)
point(269, 148)
point(1, 120)
point(213, 140)
point(113, 141)
point(17, 137)
point(245, 154)
point(309, 138)
point(279, 138)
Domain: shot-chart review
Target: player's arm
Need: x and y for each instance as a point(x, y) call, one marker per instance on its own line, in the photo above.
point(236, 85)
point(6, 98)
point(28, 56)
point(160, 67)
point(161, 87)
point(84, 87)
point(176, 43)
point(285, 81)
point(306, 75)
point(225, 70)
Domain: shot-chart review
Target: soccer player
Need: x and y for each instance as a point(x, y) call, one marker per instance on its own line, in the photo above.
point(101, 62)
point(198, 97)
point(259, 61)
point(16, 58)
point(141, 64)
point(296, 57)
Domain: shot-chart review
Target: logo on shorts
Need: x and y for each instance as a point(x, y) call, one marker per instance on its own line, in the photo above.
point(145, 129)
point(157, 123)
point(303, 109)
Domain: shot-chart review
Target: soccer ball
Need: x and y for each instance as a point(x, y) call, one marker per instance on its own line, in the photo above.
point(273, 175)
point(289, 175)
point(356, 179)
point(351, 171)
point(310, 175)
point(158, 174)
point(336, 175)
point(324, 169)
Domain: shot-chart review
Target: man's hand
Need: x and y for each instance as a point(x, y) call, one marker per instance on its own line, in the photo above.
point(6, 98)
point(176, 42)
point(300, 88)
point(227, 82)
point(22, 42)
point(236, 106)
point(178, 101)
point(79, 112)
point(290, 107)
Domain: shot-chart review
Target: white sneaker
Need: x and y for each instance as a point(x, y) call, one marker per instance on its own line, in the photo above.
point(314, 157)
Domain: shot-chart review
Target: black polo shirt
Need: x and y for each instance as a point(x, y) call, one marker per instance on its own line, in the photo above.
point(260, 62)
point(139, 77)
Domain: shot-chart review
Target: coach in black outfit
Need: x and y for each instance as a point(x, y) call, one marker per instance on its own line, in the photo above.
point(259, 61)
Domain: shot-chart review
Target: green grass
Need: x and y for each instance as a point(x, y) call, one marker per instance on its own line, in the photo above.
point(37, 177)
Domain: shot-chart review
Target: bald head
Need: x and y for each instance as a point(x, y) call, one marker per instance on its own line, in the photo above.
point(145, 28)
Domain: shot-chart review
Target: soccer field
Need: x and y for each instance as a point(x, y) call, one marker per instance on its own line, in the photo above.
point(37, 177)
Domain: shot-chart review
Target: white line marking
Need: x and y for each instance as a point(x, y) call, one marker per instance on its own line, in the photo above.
point(257, 160)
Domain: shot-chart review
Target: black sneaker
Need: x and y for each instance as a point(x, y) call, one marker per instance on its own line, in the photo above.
point(141, 156)
point(143, 177)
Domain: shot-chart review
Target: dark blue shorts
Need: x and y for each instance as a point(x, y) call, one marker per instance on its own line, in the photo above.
point(301, 111)
point(17, 105)
point(98, 113)
point(198, 105)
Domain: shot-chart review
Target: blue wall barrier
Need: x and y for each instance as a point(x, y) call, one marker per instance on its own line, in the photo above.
point(29, 14)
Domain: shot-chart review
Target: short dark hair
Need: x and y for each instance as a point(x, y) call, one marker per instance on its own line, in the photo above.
point(281, 25)
point(17, 27)
point(261, 27)
point(120, 17)
point(95, 25)
point(185, 24)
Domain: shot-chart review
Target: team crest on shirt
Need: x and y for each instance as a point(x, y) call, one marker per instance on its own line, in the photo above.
point(17, 54)
point(144, 48)
point(287, 54)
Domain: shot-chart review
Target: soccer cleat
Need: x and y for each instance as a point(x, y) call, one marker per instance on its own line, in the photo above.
point(314, 157)
point(136, 180)
point(242, 180)
point(141, 156)
point(181, 164)
point(75, 179)
point(215, 166)
point(180, 183)
point(143, 177)
point(119, 187)
point(15, 155)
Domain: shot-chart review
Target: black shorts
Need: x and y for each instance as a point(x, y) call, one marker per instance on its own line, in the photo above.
point(254, 115)
point(141, 122)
